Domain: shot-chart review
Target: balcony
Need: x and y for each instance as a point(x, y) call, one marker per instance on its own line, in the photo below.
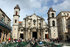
point(3, 24)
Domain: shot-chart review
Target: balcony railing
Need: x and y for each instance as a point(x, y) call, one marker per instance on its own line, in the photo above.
point(3, 24)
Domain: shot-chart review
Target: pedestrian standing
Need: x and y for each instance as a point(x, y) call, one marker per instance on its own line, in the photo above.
point(36, 43)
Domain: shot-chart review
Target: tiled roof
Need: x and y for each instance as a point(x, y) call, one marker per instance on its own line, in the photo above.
point(20, 21)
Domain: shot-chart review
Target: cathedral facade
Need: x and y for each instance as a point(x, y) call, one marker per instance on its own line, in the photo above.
point(32, 26)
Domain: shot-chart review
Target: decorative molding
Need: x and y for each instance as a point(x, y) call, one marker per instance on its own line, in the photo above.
point(16, 15)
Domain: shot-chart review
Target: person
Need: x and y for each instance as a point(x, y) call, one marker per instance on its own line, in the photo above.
point(36, 43)
point(32, 42)
point(19, 40)
point(9, 39)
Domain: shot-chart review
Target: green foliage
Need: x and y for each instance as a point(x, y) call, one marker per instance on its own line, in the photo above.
point(20, 44)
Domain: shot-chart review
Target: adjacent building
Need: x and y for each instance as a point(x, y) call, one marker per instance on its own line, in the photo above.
point(59, 26)
point(5, 26)
point(63, 22)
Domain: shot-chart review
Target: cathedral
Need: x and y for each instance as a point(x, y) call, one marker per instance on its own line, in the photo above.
point(34, 26)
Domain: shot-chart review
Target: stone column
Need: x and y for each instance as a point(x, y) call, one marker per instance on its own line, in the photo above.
point(38, 35)
point(44, 34)
point(26, 35)
point(2, 34)
point(19, 34)
point(64, 36)
point(64, 28)
point(8, 35)
point(31, 35)
point(5, 37)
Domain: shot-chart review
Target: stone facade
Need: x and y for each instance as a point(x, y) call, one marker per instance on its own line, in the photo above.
point(52, 24)
point(32, 26)
point(58, 27)
point(63, 24)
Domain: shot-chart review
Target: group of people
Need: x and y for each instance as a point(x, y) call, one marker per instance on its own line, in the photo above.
point(34, 42)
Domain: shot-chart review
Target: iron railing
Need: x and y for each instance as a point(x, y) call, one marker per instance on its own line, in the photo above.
point(3, 24)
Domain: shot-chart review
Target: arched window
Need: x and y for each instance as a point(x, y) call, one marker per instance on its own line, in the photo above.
point(16, 12)
point(15, 21)
point(53, 23)
point(34, 21)
point(52, 14)
point(2, 19)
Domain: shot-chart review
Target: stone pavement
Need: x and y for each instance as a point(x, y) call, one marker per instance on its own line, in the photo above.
point(28, 45)
point(66, 46)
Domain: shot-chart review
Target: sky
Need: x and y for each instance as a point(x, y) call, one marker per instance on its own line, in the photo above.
point(28, 7)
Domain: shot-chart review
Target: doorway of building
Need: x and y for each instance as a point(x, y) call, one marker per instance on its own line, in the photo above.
point(46, 36)
point(34, 35)
point(22, 36)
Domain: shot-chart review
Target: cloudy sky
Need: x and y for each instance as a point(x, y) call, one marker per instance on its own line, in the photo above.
point(28, 7)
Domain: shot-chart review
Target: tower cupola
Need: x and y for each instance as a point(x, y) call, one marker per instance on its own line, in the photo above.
point(16, 10)
point(17, 7)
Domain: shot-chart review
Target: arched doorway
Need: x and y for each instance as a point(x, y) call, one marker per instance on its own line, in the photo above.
point(22, 36)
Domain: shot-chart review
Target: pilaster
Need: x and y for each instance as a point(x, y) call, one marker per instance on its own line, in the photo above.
point(38, 34)
point(26, 35)
point(31, 35)
point(44, 34)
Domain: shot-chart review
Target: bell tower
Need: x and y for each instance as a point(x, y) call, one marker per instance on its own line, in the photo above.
point(15, 22)
point(52, 23)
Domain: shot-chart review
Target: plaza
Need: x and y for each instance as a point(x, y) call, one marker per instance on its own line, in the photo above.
point(35, 23)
